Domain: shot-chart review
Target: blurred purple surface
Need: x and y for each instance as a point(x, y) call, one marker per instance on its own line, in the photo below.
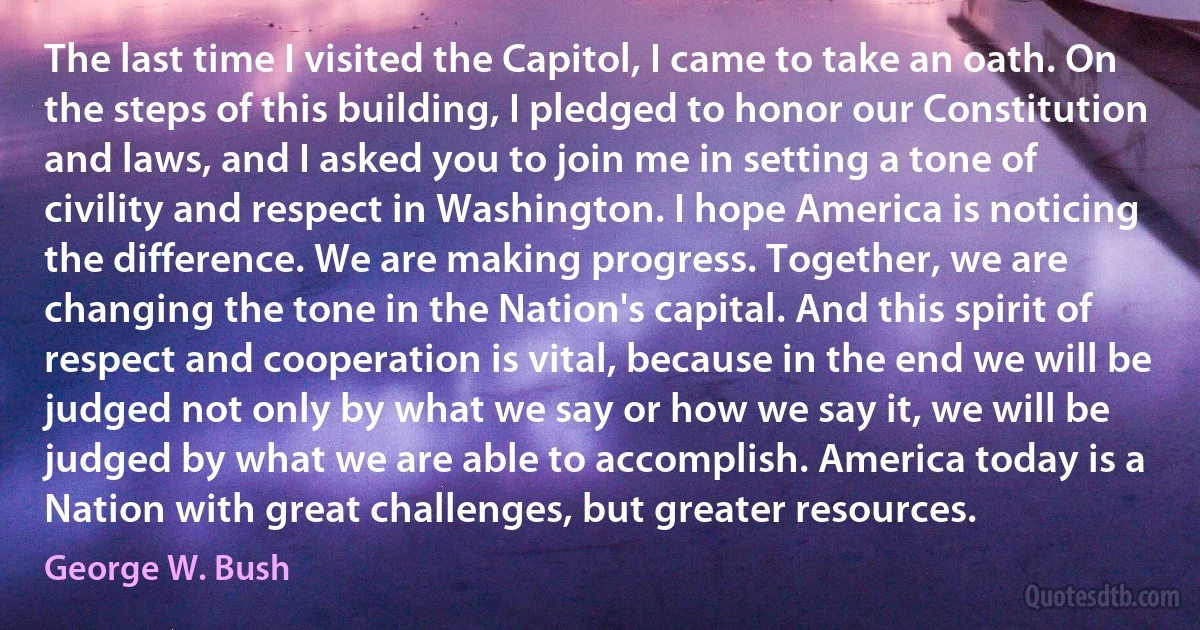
point(1090, 530)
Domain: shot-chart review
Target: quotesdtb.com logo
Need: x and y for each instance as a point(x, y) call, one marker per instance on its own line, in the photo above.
point(1110, 596)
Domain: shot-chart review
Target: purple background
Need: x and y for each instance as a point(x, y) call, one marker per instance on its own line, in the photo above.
point(1090, 530)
